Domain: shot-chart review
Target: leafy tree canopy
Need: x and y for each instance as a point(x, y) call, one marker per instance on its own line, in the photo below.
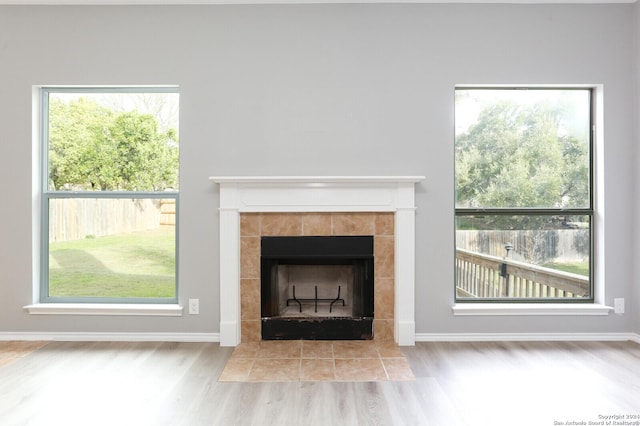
point(518, 156)
point(92, 147)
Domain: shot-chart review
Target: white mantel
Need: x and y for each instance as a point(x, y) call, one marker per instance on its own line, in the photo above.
point(263, 194)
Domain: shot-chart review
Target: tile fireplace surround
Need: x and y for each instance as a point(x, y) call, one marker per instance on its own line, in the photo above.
point(328, 205)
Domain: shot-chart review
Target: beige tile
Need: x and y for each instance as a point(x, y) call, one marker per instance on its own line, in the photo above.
point(281, 224)
point(317, 349)
point(280, 349)
point(316, 224)
point(317, 370)
point(385, 224)
point(249, 224)
point(383, 330)
point(251, 331)
point(383, 298)
point(353, 223)
point(355, 349)
point(371, 361)
point(250, 257)
point(275, 370)
point(246, 350)
point(250, 299)
point(360, 369)
point(383, 252)
point(398, 369)
point(236, 370)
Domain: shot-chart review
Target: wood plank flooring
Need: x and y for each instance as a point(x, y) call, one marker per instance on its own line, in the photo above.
point(12, 351)
point(512, 383)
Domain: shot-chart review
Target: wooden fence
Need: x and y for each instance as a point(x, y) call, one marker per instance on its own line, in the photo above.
point(77, 218)
point(545, 245)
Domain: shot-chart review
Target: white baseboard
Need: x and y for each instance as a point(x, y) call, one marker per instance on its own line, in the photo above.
point(215, 337)
point(112, 337)
point(512, 337)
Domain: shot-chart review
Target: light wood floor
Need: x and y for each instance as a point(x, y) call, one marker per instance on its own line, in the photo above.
point(110, 383)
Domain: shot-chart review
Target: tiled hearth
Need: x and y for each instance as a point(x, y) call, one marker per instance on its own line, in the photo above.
point(253, 226)
point(308, 360)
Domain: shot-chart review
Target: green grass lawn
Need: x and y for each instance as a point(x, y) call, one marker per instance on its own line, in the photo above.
point(580, 268)
point(140, 264)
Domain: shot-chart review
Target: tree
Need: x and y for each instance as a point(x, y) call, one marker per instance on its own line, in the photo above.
point(78, 139)
point(91, 147)
point(518, 156)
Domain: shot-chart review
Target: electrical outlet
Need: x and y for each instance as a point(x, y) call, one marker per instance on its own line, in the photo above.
point(618, 306)
point(194, 306)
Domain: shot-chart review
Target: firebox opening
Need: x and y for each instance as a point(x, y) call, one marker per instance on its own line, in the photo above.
point(315, 290)
point(317, 287)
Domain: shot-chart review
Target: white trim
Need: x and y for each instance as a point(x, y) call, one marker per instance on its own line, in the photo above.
point(315, 181)
point(527, 337)
point(215, 337)
point(527, 309)
point(169, 310)
point(598, 222)
point(36, 191)
point(250, 2)
point(111, 337)
point(405, 331)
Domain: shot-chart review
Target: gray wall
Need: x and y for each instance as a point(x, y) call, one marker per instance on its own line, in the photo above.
point(635, 282)
point(315, 90)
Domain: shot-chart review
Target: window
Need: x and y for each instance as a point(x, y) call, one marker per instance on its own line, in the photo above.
point(109, 194)
point(524, 198)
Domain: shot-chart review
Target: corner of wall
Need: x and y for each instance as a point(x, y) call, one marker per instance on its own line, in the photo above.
point(635, 293)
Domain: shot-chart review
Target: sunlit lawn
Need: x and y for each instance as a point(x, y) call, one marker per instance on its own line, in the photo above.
point(140, 264)
point(580, 268)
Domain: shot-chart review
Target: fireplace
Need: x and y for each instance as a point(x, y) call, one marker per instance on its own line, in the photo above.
point(317, 287)
point(334, 198)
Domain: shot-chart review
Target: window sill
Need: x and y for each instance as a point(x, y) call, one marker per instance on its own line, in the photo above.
point(112, 309)
point(524, 309)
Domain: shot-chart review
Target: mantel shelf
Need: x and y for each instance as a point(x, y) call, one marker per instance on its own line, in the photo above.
point(316, 179)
